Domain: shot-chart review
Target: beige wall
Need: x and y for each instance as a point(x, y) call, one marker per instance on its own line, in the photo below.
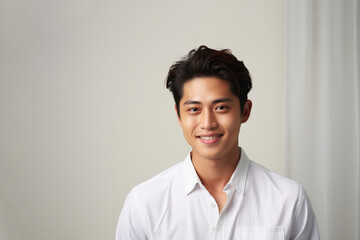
point(84, 114)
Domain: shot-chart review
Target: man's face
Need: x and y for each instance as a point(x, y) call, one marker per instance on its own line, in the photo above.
point(211, 117)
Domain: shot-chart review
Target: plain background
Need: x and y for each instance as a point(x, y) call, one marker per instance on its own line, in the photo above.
point(85, 115)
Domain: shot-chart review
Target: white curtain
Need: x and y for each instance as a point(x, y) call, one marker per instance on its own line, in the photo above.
point(322, 124)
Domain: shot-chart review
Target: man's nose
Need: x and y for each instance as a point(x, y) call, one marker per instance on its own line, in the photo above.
point(208, 120)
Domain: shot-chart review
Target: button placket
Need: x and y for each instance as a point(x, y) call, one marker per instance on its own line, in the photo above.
point(214, 217)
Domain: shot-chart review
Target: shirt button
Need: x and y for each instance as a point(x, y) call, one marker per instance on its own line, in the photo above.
point(213, 205)
point(213, 229)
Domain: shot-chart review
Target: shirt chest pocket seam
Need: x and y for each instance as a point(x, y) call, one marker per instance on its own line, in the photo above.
point(259, 233)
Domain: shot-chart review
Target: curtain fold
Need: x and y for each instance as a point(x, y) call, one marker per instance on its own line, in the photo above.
point(322, 111)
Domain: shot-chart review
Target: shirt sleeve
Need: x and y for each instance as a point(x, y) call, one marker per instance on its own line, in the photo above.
point(130, 225)
point(305, 225)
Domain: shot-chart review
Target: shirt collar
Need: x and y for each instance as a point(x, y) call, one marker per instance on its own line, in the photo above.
point(237, 180)
point(191, 179)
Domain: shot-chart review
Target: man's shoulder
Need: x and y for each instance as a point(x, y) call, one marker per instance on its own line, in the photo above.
point(161, 182)
point(267, 179)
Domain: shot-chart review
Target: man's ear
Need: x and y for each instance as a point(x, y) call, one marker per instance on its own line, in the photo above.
point(246, 111)
point(178, 116)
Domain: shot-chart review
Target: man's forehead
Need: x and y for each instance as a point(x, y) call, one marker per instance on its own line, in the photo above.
point(206, 89)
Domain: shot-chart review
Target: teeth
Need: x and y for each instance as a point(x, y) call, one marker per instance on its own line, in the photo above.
point(209, 138)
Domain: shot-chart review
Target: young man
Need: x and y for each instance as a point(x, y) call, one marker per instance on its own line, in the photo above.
point(217, 192)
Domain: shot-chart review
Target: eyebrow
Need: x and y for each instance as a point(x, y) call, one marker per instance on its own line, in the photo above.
point(220, 100)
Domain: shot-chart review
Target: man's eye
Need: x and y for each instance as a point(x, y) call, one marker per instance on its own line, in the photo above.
point(221, 108)
point(193, 109)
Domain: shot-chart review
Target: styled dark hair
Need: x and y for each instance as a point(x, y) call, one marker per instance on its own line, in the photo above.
point(207, 62)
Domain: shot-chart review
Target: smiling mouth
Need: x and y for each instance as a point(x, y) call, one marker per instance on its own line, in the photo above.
point(210, 137)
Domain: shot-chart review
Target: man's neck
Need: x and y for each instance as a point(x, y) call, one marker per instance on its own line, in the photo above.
point(216, 173)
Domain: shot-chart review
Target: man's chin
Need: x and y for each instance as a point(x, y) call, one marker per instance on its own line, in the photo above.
point(208, 155)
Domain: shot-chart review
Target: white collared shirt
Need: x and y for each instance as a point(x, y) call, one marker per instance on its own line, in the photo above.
point(175, 205)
